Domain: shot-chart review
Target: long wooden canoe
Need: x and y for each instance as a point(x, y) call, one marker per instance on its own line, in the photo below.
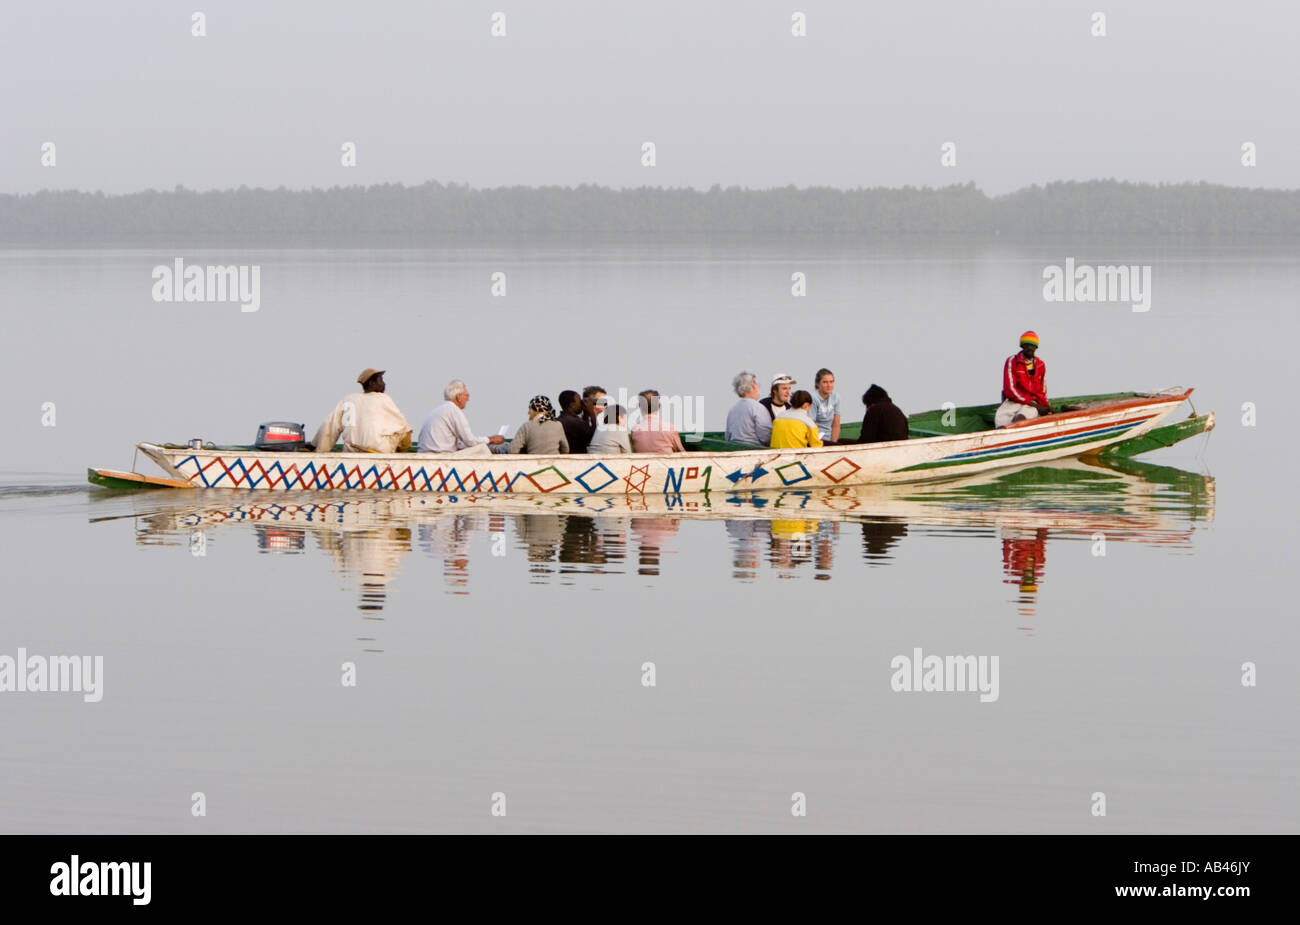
point(1119, 496)
point(946, 443)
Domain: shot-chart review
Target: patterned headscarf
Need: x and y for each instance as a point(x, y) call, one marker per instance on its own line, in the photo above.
point(543, 404)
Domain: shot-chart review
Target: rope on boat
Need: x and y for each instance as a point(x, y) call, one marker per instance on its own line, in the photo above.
point(1200, 454)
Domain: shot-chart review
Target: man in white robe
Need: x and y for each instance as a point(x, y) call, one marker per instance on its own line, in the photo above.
point(365, 422)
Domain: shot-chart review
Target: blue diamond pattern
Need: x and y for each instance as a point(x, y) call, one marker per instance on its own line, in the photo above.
point(609, 477)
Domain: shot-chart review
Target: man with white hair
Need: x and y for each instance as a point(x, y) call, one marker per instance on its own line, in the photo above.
point(748, 421)
point(447, 430)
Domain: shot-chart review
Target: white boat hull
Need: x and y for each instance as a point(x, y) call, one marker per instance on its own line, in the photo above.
point(1053, 437)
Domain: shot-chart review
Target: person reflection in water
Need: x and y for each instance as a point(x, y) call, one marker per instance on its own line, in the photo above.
point(581, 545)
point(879, 536)
point(790, 545)
point(654, 537)
point(746, 545)
point(824, 549)
point(540, 534)
point(1024, 556)
point(371, 558)
point(448, 539)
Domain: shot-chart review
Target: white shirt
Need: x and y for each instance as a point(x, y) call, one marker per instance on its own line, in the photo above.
point(610, 439)
point(446, 430)
point(363, 422)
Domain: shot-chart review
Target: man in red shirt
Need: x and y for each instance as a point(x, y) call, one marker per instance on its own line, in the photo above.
point(1024, 389)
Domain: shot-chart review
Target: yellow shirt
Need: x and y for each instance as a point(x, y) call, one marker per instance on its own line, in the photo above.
point(789, 528)
point(794, 430)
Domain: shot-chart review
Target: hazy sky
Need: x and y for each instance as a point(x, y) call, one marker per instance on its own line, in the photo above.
point(132, 100)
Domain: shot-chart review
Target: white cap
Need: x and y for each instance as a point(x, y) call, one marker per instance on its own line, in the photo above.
point(782, 379)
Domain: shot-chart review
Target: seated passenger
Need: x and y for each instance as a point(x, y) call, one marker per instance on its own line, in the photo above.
point(884, 421)
point(651, 434)
point(748, 422)
point(611, 433)
point(1024, 385)
point(594, 402)
point(366, 422)
point(779, 399)
point(573, 416)
point(446, 429)
point(794, 428)
point(541, 434)
point(826, 406)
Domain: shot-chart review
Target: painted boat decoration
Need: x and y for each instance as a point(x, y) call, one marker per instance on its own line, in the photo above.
point(1123, 497)
point(947, 444)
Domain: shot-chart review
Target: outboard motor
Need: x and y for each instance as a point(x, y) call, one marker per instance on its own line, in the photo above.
point(280, 435)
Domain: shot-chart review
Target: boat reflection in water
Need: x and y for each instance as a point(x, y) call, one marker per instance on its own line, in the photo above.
point(789, 534)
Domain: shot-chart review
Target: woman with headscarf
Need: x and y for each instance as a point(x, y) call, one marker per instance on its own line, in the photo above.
point(541, 434)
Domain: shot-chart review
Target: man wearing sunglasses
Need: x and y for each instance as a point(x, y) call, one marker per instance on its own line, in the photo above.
point(594, 403)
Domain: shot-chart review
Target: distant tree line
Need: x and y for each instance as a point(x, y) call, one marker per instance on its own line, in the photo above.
point(1101, 207)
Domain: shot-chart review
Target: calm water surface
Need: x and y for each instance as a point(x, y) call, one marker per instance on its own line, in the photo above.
point(499, 642)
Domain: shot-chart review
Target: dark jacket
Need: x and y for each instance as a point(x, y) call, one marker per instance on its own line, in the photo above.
point(578, 431)
point(767, 403)
point(884, 421)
